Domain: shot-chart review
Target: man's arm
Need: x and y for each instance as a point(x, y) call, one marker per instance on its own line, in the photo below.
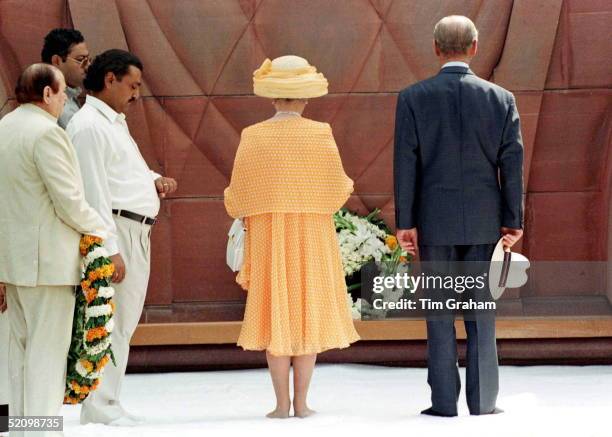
point(92, 153)
point(3, 299)
point(405, 174)
point(510, 161)
point(59, 169)
point(405, 166)
point(165, 186)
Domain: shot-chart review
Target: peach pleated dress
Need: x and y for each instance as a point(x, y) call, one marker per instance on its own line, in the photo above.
point(286, 183)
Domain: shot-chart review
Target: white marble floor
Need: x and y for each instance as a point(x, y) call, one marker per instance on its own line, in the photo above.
point(355, 400)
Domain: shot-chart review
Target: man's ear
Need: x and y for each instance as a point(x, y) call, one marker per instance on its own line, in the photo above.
point(47, 92)
point(436, 48)
point(474, 48)
point(56, 60)
point(109, 78)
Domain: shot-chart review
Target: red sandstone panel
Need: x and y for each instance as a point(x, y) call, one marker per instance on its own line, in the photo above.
point(581, 56)
point(566, 226)
point(145, 118)
point(199, 236)
point(168, 74)
point(4, 89)
point(410, 28)
point(312, 29)
point(529, 44)
point(9, 71)
point(160, 282)
point(572, 141)
point(528, 104)
point(366, 203)
point(8, 107)
point(564, 278)
point(213, 40)
point(100, 24)
point(204, 52)
point(24, 24)
point(246, 56)
point(242, 111)
point(186, 113)
point(209, 166)
point(363, 128)
point(609, 233)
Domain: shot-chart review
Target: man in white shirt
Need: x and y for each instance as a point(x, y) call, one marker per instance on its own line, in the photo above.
point(66, 49)
point(122, 188)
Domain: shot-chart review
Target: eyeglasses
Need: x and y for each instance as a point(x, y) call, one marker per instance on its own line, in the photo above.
point(83, 61)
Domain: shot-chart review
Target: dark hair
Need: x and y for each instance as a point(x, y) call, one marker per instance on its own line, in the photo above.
point(59, 42)
point(115, 61)
point(32, 82)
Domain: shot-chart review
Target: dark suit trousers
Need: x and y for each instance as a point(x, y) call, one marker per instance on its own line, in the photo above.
point(482, 374)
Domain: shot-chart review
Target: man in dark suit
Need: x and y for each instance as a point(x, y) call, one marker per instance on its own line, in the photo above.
point(458, 188)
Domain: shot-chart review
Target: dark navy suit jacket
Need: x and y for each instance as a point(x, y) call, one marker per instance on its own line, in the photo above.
point(458, 160)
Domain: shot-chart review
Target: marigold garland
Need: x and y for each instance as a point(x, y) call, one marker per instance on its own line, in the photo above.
point(90, 349)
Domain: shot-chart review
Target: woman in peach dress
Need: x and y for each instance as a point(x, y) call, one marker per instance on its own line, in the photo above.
point(286, 183)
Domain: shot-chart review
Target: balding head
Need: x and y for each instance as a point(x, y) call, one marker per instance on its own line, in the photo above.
point(455, 35)
point(32, 82)
point(44, 86)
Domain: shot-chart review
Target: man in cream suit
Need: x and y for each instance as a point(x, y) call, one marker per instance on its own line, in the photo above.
point(122, 188)
point(66, 50)
point(4, 339)
point(43, 214)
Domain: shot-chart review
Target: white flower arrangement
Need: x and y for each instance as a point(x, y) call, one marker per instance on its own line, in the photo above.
point(98, 311)
point(83, 371)
point(360, 241)
point(110, 325)
point(106, 292)
point(100, 347)
point(92, 322)
point(98, 252)
point(366, 239)
point(355, 307)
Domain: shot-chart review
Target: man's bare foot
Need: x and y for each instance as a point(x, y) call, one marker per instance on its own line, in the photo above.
point(278, 413)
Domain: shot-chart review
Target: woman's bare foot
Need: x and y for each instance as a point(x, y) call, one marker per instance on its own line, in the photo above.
point(302, 411)
point(278, 413)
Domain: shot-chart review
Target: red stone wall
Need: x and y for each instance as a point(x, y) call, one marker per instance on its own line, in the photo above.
point(199, 57)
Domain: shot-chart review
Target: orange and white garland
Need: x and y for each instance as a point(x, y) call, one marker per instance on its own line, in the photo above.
point(90, 349)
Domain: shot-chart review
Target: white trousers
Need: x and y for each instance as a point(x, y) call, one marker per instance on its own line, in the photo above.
point(40, 332)
point(102, 405)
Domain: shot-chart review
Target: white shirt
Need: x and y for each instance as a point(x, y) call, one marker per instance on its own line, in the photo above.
point(71, 107)
point(456, 64)
point(115, 175)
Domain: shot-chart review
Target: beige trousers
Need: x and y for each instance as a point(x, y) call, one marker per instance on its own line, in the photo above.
point(4, 359)
point(103, 406)
point(40, 332)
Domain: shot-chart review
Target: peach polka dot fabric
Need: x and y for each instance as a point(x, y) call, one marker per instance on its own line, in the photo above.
point(287, 182)
point(297, 298)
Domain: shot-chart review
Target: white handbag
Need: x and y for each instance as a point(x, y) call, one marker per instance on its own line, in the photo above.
point(234, 255)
